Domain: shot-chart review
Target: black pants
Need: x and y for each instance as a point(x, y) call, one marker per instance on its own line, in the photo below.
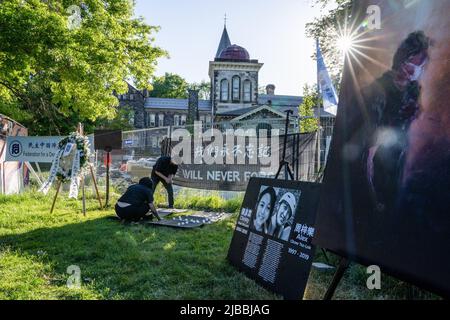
point(133, 212)
point(168, 187)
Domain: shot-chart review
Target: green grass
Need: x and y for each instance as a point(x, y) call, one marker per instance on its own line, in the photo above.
point(136, 262)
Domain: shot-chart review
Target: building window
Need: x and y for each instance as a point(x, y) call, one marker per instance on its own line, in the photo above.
point(247, 91)
point(152, 121)
point(236, 88)
point(224, 90)
point(154, 141)
point(131, 96)
point(183, 120)
point(161, 120)
point(176, 120)
point(208, 119)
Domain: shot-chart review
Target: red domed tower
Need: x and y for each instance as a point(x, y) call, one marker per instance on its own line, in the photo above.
point(234, 77)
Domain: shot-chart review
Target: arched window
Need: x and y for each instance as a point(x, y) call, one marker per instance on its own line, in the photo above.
point(236, 88)
point(247, 91)
point(152, 121)
point(224, 90)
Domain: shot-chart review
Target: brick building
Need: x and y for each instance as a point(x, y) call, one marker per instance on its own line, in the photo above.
point(234, 96)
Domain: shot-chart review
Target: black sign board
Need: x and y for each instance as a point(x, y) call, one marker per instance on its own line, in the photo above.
point(272, 240)
point(108, 140)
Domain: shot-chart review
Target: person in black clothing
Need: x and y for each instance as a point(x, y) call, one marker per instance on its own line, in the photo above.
point(137, 201)
point(163, 171)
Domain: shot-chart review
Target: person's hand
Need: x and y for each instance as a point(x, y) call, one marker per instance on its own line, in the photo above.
point(169, 180)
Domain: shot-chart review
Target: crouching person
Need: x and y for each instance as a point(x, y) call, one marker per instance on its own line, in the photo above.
point(137, 202)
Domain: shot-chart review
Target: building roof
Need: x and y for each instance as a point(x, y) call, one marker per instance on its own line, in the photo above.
point(175, 104)
point(235, 53)
point(224, 42)
point(260, 109)
point(236, 112)
point(279, 100)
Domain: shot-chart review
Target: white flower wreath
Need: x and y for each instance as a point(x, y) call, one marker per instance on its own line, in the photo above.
point(70, 163)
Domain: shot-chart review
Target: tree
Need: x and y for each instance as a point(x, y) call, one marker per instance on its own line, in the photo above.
point(308, 122)
point(169, 86)
point(327, 29)
point(204, 89)
point(61, 61)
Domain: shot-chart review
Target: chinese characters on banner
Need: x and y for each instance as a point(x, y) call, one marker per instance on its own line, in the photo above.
point(234, 164)
point(34, 149)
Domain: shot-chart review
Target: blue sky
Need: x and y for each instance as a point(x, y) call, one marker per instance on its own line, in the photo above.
point(273, 31)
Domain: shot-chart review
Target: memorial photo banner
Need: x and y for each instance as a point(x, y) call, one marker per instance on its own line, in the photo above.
point(272, 242)
point(385, 198)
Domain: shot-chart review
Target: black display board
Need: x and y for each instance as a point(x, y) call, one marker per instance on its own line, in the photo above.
point(108, 140)
point(385, 198)
point(272, 240)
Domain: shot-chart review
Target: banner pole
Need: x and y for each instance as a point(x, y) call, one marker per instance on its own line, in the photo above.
point(56, 195)
point(83, 196)
point(343, 266)
point(95, 186)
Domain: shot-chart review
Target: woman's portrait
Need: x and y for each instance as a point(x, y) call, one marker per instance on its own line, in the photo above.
point(264, 209)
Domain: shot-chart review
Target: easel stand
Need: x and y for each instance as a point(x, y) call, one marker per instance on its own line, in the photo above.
point(108, 159)
point(283, 163)
point(343, 266)
point(58, 186)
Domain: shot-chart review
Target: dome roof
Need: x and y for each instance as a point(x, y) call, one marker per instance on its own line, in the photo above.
point(234, 52)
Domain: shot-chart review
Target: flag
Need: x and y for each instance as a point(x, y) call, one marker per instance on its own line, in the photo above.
point(326, 88)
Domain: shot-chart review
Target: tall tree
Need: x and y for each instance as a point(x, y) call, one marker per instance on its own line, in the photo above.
point(328, 29)
point(307, 120)
point(169, 86)
point(204, 89)
point(62, 61)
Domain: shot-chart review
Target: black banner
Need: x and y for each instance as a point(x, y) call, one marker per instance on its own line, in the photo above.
point(236, 163)
point(272, 239)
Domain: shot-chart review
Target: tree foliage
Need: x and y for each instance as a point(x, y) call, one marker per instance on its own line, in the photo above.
point(55, 71)
point(308, 122)
point(204, 89)
point(169, 85)
point(327, 29)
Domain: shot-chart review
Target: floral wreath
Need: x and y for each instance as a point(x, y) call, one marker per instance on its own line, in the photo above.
point(64, 170)
point(70, 162)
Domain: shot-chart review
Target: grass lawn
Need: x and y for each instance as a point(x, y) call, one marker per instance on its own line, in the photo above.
point(134, 261)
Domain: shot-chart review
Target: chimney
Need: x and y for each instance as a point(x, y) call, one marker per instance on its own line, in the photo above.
point(193, 113)
point(270, 89)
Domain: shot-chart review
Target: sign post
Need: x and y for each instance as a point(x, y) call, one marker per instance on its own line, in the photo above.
point(108, 140)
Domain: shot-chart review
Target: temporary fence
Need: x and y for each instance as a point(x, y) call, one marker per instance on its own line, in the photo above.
point(305, 153)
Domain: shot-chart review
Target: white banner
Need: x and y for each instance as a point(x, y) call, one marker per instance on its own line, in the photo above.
point(53, 171)
point(35, 149)
point(74, 179)
point(32, 149)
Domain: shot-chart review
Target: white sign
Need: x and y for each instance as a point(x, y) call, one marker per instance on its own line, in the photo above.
point(32, 149)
